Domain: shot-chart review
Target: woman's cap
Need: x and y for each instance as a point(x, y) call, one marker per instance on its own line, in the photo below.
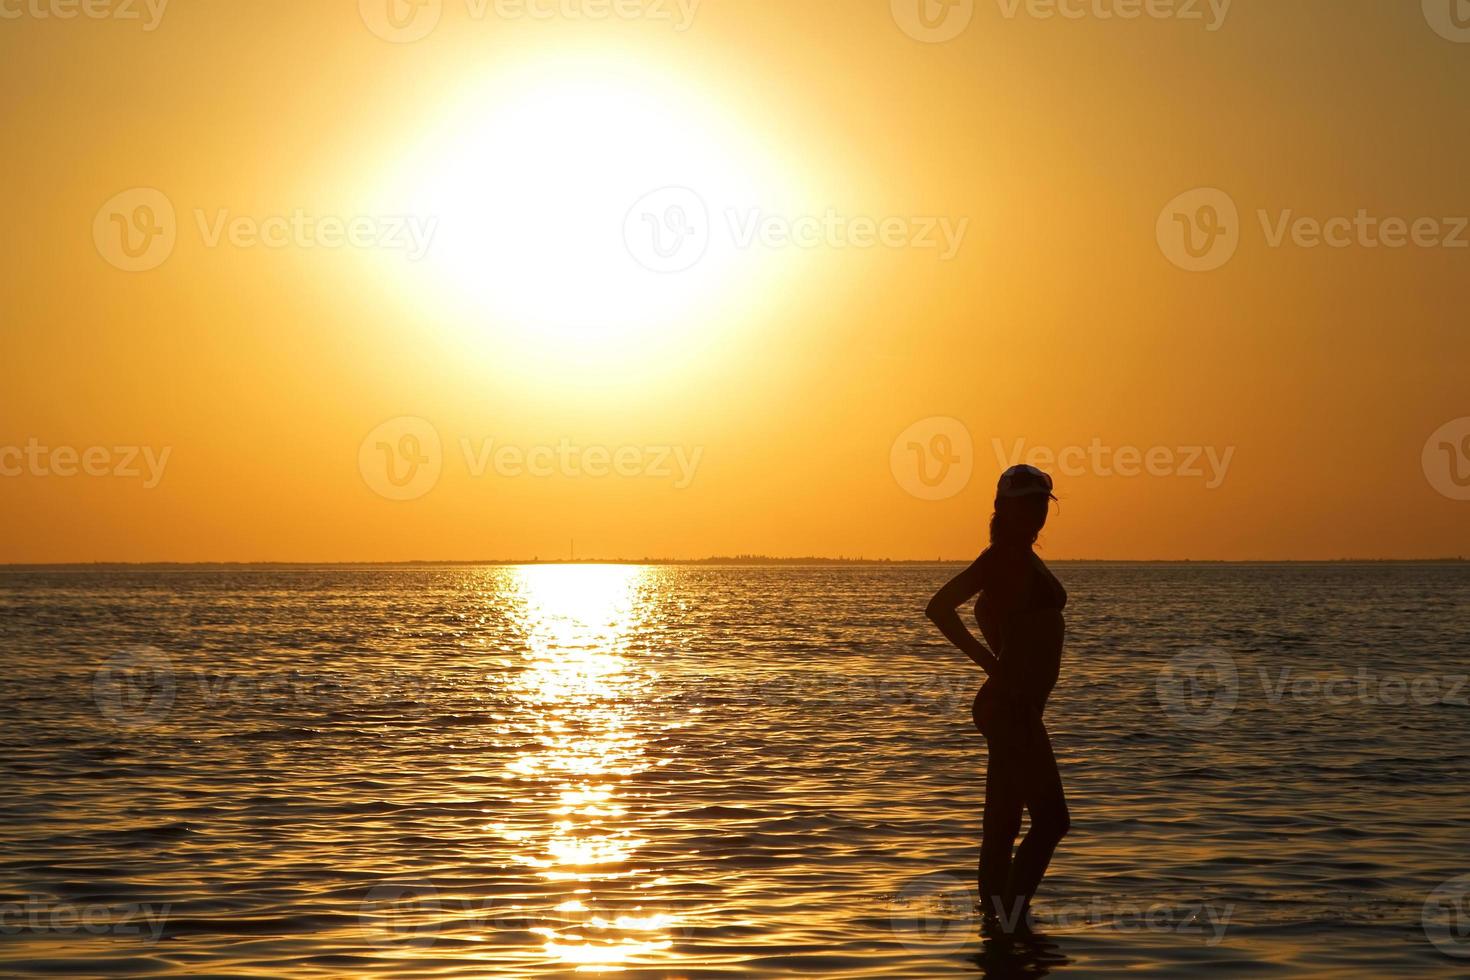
point(1024, 481)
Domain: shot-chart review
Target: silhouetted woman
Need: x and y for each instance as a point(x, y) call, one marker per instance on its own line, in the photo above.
point(1019, 613)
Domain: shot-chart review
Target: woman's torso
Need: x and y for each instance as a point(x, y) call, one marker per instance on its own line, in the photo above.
point(1020, 614)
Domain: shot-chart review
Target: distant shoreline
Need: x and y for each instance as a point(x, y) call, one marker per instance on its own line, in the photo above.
point(730, 561)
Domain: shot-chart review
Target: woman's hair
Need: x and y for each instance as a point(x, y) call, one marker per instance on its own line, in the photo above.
point(1019, 520)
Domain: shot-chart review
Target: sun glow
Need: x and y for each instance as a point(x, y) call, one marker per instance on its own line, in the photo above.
point(536, 178)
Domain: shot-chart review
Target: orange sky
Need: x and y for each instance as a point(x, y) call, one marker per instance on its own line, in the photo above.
point(871, 234)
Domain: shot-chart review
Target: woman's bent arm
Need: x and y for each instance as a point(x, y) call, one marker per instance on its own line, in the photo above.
point(942, 611)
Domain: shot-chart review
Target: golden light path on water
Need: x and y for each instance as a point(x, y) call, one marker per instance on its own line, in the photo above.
point(578, 686)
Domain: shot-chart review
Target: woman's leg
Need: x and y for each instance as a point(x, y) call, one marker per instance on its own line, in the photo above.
point(1005, 798)
point(1050, 818)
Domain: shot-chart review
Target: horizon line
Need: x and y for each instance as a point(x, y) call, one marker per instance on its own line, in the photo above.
point(711, 560)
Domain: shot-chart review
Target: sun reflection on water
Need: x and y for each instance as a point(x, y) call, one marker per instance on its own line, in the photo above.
point(580, 684)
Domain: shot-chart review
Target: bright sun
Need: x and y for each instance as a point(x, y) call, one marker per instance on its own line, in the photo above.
point(576, 196)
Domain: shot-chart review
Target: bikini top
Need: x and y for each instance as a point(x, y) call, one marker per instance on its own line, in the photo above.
point(1041, 590)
